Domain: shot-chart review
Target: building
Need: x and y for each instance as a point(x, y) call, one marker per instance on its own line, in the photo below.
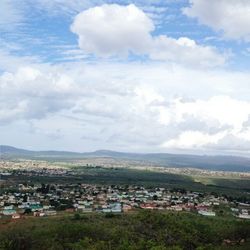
point(9, 211)
point(206, 213)
point(16, 216)
point(244, 216)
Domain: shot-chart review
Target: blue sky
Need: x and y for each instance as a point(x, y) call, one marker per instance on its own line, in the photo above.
point(42, 27)
point(144, 76)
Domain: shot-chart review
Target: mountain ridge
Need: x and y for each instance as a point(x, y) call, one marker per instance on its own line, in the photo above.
point(211, 162)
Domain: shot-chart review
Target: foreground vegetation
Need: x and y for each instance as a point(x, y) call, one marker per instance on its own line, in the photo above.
point(138, 231)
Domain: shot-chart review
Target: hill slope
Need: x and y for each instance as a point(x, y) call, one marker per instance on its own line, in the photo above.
point(224, 163)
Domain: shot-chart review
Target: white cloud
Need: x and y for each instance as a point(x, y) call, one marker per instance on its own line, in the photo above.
point(221, 109)
point(229, 16)
point(30, 93)
point(151, 105)
point(11, 15)
point(10, 62)
point(192, 139)
point(138, 107)
point(111, 30)
point(185, 51)
point(214, 123)
point(231, 143)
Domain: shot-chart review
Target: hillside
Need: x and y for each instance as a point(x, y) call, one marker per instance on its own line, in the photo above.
point(222, 163)
point(144, 230)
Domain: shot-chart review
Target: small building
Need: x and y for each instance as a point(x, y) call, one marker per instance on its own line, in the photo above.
point(10, 207)
point(116, 208)
point(16, 216)
point(244, 211)
point(38, 214)
point(206, 213)
point(8, 211)
point(70, 210)
point(148, 206)
point(235, 210)
point(36, 207)
point(87, 210)
point(244, 216)
point(50, 212)
point(126, 208)
point(106, 210)
point(177, 208)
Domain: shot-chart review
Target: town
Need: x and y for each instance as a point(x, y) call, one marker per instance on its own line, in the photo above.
point(72, 167)
point(38, 200)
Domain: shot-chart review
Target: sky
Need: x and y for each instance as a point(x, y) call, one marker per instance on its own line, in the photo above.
point(136, 76)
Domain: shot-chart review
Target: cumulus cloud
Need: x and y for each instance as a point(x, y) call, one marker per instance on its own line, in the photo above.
point(230, 17)
point(185, 51)
point(30, 93)
point(222, 119)
point(115, 30)
point(218, 110)
point(191, 140)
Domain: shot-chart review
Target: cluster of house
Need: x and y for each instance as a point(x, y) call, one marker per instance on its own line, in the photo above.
point(243, 212)
point(35, 172)
point(47, 200)
point(16, 212)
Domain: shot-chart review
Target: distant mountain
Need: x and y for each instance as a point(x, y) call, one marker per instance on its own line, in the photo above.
point(12, 151)
point(8, 151)
point(223, 163)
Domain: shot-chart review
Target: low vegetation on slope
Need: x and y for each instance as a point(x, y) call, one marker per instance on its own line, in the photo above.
point(138, 231)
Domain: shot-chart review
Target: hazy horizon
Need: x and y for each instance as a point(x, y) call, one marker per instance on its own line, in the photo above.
point(179, 152)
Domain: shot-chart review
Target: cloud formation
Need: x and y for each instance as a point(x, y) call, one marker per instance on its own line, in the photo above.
point(30, 93)
point(230, 17)
point(133, 83)
point(115, 30)
point(11, 15)
point(142, 107)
